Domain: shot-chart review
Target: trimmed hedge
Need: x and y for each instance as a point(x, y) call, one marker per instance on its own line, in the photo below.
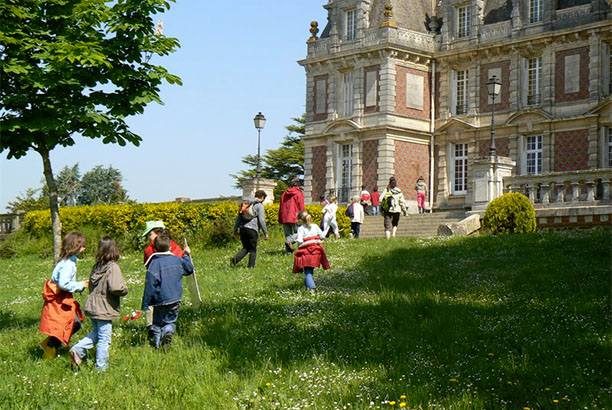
point(129, 220)
point(510, 213)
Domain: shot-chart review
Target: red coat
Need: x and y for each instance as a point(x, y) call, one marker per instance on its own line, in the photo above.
point(150, 250)
point(292, 202)
point(375, 198)
point(58, 312)
point(312, 256)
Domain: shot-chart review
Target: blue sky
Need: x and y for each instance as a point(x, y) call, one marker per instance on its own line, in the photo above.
point(235, 60)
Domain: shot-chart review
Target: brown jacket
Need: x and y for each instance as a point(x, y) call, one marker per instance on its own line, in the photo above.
point(106, 286)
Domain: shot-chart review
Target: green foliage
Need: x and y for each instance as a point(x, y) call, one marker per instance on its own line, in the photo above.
point(77, 68)
point(493, 322)
point(282, 164)
point(211, 223)
point(31, 200)
point(102, 185)
point(510, 213)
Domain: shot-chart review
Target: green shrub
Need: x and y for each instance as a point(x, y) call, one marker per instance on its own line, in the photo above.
point(510, 213)
point(21, 243)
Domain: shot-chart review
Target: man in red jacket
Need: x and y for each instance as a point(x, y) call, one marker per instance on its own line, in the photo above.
point(292, 202)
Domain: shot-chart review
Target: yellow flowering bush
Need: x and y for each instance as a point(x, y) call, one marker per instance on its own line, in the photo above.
point(129, 219)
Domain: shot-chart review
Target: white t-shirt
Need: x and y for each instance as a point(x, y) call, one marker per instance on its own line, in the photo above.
point(306, 232)
point(329, 211)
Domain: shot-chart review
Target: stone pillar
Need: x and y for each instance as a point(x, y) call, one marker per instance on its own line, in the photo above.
point(545, 193)
point(386, 162)
point(488, 174)
point(575, 191)
point(249, 186)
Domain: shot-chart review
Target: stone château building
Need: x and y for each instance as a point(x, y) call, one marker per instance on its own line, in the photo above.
point(398, 88)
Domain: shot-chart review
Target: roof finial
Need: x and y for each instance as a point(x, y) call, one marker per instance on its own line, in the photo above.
point(314, 29)
point(388, 22)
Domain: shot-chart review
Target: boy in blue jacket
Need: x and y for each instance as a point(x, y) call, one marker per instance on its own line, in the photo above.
point(164, 288)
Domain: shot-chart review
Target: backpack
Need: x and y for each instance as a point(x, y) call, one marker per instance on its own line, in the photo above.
point(349, 211)
point(247, 210)
point(386, 202)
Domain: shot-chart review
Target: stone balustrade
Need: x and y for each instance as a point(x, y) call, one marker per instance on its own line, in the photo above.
point(372, 37)
point(496, 32)
point(563, 188)
point(10, 222)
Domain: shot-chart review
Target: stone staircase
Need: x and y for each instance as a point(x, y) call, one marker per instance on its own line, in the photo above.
point(411, 225)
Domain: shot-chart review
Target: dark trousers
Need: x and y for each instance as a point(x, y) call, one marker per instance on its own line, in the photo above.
point(249, 238)
point(355, 228)
point(164, 321)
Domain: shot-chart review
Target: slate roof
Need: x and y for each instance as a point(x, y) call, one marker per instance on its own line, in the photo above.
point(409, 14)
point(496, 11)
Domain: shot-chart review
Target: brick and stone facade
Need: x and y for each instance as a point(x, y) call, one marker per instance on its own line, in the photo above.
point(554, 113)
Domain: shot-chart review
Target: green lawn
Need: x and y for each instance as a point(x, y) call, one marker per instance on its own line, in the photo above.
point(466, 323)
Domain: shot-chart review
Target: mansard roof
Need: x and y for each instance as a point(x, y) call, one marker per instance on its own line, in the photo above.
point(408, 14)
point(496, 11)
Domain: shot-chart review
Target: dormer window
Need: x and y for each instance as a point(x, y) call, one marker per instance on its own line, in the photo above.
point(351, 25)
point(464, 19)
point(535, 11)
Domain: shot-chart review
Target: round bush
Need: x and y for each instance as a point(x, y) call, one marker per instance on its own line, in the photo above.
point(510, 213)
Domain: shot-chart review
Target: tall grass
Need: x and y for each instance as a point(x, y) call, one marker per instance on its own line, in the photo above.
point(463, 323)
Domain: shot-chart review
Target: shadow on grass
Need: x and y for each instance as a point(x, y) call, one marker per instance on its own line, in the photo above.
point(506, 317)
point(10, 321)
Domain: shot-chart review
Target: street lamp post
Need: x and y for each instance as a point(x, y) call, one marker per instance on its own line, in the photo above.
point(259, 121)
point(493, 89)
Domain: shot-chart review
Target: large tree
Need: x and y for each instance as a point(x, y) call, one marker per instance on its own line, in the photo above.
point(76, 68)
point(282, 164)
point(102, 185)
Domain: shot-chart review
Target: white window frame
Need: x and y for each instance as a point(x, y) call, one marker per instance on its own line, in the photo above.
point(535, 11)
point(464, 20)
point(459, 168)
point(606, 77)
point(534, 154)
point(351, 24)
point(608, 163)
point(348, 93)
point(344, 174)
point(534, 80)
point(461, 91)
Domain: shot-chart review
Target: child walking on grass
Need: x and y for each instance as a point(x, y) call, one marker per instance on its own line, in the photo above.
point(164, 289)
point(310, 254)
point(106, 286)
point(61, 314)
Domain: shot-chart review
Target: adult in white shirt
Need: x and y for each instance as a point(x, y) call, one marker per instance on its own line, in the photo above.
point(357, 218)
point(329, 217)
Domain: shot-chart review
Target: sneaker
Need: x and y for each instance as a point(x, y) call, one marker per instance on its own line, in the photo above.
point(166, 339)
point(150, 333)
point(49, 352)
point(75, 360)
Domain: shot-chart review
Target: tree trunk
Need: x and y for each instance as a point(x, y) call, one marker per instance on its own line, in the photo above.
point(53, 205)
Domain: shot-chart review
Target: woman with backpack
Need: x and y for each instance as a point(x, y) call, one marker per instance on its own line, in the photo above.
point(392, 202)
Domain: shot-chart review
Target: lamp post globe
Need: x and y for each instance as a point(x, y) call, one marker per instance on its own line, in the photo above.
point(493, 89)
point(259, 122)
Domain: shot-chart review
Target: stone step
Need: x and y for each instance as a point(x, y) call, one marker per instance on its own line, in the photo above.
point(413, 225)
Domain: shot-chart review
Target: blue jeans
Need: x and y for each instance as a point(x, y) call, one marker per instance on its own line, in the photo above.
point(100, 335)
point(164, 321)
point(308, 279)
point(374, 210)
